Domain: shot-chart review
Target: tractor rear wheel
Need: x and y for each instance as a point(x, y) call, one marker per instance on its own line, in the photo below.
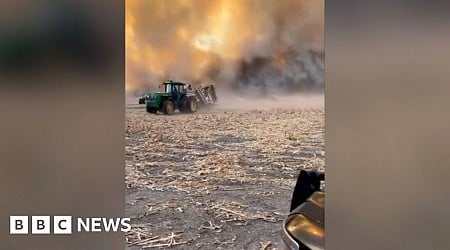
point(184, 105)
point(168, 107)
point(192, 105)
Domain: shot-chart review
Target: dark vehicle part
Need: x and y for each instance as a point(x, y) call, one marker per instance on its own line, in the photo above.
point(308, 181)
point(304, 228)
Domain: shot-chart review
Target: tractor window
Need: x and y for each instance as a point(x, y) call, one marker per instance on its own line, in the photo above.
point(178, 88)
point(168, 88)
point(174, 88)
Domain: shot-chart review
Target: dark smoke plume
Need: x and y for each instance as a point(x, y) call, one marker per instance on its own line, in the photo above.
point(259, 45)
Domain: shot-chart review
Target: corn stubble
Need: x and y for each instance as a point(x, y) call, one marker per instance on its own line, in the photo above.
point(216, 180)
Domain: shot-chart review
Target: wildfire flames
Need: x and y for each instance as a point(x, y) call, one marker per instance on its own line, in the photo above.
point(250, 43)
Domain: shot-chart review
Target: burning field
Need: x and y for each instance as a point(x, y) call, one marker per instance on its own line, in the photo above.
point(258, 45)
point(221, 178)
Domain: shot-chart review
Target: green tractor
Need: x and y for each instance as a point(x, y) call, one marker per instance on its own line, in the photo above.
point(176, 96)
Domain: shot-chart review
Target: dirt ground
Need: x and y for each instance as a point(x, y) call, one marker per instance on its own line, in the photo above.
point(221, 178)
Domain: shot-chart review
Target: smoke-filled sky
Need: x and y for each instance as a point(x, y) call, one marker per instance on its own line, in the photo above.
point(227, 42)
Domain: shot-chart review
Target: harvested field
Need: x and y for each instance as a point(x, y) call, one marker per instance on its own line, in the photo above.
point(217, 179)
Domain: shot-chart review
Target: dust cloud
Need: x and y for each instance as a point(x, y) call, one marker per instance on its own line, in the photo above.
point(231, 101)
point(234, 102)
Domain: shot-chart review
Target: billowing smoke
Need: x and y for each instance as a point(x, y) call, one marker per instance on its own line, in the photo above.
point(264, 45)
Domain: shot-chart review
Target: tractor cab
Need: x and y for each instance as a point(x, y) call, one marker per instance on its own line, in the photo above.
point(171, 86)
point(176, 89)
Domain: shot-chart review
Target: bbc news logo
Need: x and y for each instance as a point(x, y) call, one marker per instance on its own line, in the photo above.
point(63, 225)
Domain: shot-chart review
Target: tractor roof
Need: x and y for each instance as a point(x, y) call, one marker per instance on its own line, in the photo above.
point(174, 82)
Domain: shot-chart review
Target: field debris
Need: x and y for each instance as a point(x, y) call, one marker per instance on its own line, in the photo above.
point(227, 212)
point(218, 179)
point(139, 236)
point(265, 245)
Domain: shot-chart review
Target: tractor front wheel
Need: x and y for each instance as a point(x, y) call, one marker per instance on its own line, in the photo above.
point(168, 107)
point(151, 110)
